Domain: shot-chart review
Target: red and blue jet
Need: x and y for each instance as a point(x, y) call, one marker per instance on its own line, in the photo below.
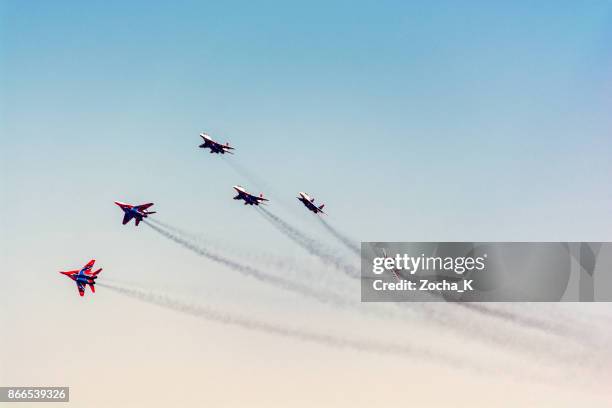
point(84, 276)
point(138, 212)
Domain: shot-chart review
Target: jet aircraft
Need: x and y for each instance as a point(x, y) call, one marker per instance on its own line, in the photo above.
point(215, 147)
point(138, 212)
point(309, 203)
point(84, 276)
point(248, 198)
point(395, 272)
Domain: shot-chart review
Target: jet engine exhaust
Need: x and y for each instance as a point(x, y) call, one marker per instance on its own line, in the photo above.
point(431, 312)
point(341, 237)
point(336, 341)
point(309, 244)
point(250, 271)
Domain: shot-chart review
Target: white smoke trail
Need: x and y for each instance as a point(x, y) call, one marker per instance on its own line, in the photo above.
point(247, 270)
point(363, 345)
point(346, 241)
point(268, 260)
point(322, 295)
point(309, 244)
point(177, 230)
point(452, 358)
point(429, 312)
point(556, 328)
point(248, 175)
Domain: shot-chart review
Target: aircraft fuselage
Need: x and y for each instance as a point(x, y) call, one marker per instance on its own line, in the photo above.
point(82, 278)
point(135, 213)
point(309, 203)
point(214, 147)
point(248, 199)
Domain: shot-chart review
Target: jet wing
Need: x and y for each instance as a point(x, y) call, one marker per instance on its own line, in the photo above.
point(70, 273)
point(216, 144)
point(143, 207)
point(81, 288)
point(127, 217)
point(93, 274)
point(89, 265)
point(226, 148)
point(254, 197)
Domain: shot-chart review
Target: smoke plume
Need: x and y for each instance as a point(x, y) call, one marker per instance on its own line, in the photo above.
point(309, 244)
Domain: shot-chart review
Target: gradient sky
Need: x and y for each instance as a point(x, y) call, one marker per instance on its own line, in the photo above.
point(411, 121)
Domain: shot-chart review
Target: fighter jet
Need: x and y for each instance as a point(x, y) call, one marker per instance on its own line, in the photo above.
point(84, 276)
point(248, 198)
point(215, 147)
point(138, 212)
point(395, 272)
point(309, 203)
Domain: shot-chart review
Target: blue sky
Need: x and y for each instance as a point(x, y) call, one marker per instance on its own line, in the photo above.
point(432, 116)
point(411, 121)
